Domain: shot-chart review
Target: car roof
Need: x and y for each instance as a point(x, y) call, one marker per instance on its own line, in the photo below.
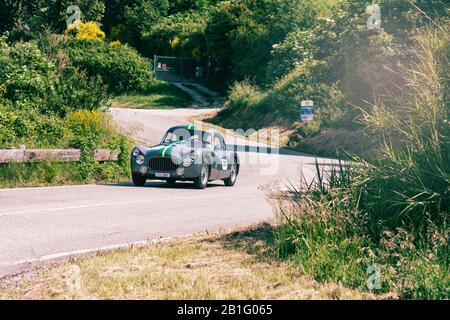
point(192, 127)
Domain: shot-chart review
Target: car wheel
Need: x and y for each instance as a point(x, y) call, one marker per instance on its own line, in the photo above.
point(171, 181)
point(202, 181)
point(138, 180)
point(230, 181)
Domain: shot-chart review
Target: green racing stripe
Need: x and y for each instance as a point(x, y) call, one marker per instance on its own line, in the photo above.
point(168, 149)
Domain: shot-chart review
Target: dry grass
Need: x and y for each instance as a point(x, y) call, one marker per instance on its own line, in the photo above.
point(219, 266)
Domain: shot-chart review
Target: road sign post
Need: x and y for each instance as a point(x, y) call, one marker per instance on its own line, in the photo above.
point(307, 110)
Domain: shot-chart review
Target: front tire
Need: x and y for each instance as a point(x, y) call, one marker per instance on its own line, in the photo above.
point(231, 180)
point(202, 181)
point(138, 180)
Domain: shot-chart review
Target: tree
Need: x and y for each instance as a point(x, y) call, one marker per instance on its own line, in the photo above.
point(29, 18)
point(240, 34)
point(127, 20)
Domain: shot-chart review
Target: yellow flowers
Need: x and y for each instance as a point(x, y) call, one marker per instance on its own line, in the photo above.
point(85, 31)
point(115, 43)
point(175, 42)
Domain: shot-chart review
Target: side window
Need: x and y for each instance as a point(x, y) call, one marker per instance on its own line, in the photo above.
point(217, 143)
point(207, 137)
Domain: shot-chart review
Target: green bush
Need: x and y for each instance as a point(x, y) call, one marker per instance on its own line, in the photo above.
point(408, 185)
point(32, 80)
point(180, 34)
point(127, 20)
point(31, 128)
point(240, 34)
point(391, 211)
point(295, 49)
point(121, 67)
point(250, 107)
point(27, 19)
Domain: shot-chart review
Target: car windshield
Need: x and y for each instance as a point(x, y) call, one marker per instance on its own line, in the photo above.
point(186, 135)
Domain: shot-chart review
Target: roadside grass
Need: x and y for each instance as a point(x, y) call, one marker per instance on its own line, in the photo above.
point(39, 174)
point(161, 96)
point(237, 265)
point(325, 234)
point(86, 130)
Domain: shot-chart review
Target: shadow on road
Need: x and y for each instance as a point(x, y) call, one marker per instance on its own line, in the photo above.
point(162, 185)
point(271, 150)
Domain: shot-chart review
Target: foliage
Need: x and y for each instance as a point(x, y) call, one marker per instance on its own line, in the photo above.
point(83, 129)
point(27, 19)
point(120, 67)
point(393, 210)
point(240, 34)
point(85, 31)
point(249, 107)
point(177, 6)
point(127, 20)
point(295, 49)
point(409, 184)
point(179, 35)
point(33, 81)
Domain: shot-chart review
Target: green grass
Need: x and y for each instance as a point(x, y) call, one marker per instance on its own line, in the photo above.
point(161, 96)
point(326, 234)
point(17, 175)
point(390, 210)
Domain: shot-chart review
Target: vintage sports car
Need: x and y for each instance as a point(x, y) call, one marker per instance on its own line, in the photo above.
point(186, 153)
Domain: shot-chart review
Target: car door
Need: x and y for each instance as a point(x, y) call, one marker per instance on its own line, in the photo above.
point(210, 155)
point(222, 156)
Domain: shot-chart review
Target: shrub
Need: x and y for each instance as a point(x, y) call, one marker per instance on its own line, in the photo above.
point(85, 31)
point(290, 54)
point(32, 80)
point(393, 210)
point(408, 185)
point(91, 130)
point(180, 34)
point(249, 107)
point(121, 68)
point(127, 20)
point(31, 128)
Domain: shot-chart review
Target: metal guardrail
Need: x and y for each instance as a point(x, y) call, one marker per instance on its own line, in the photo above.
point(61, 155)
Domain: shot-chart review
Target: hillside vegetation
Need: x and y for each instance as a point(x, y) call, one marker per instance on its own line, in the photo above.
point(381, 97)
point(54, 94)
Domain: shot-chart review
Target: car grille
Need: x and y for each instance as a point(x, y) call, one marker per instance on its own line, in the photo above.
point(162, 164)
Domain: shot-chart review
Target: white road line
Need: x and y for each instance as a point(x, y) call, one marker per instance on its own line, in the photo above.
point(49, 187)
point(82, 252)
point(120, 203)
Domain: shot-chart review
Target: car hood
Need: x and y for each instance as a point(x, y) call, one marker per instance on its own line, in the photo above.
point(175, 149)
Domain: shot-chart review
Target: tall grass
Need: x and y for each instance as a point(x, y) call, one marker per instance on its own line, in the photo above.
point(391, 211)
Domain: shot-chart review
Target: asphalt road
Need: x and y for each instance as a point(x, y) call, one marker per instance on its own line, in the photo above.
point(40, 224)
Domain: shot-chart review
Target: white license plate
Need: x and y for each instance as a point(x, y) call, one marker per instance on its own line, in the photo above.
point(162, 175)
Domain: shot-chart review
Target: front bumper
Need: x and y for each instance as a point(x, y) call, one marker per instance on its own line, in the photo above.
point(191, 172)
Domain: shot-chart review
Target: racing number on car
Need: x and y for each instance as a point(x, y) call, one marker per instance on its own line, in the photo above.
point(224, 164)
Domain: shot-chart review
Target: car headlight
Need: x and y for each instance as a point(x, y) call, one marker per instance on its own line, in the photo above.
point(136, 152)
point(143, 169)
point(187, 162)
point(140, 159)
